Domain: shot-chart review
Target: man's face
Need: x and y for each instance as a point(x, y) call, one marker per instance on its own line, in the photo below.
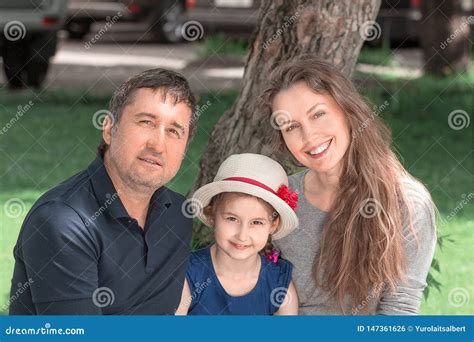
point(148, 143)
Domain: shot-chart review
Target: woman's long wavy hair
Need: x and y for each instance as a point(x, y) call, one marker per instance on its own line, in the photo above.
point(362, 241)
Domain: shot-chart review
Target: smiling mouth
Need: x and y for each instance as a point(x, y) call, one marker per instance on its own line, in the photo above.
point(239, 246)
point(150, 161)
point(320, 150)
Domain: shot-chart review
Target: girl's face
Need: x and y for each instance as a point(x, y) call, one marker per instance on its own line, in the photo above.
point(242, 225)
point(314, 127)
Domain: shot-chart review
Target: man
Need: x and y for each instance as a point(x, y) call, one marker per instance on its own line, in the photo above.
point(113, 239)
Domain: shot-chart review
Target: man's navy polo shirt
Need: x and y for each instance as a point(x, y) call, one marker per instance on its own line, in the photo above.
point(79, 250)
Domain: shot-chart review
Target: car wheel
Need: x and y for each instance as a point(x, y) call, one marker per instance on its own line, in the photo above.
point(78, 29)
point(36, 71)
point(26, 61)
point(14, 60)
point(42, 48)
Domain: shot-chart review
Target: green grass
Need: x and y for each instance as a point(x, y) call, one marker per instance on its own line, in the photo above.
point(376, 56)
point(221, 45)
point(441, 157)
point(224, 46)
point(56, 139)
point(456, 271)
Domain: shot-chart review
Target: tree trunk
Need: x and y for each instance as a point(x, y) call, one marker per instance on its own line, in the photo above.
point(332, 30)
point(445, 37)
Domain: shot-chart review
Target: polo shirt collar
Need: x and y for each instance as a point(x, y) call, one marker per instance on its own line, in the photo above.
point(161, 197)
point(104, 189)
point(107, 196)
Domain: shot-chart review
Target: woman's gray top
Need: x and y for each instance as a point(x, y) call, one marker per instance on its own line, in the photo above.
point(302, 245)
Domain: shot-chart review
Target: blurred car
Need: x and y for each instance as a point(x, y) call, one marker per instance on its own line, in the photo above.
point(228, 16)
point(28, 38)
point(398, 19)
point(163, 18)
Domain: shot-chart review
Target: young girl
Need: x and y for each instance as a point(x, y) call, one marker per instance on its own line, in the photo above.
point(247, 202)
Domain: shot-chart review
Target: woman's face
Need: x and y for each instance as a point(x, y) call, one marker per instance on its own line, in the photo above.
point(313, 126)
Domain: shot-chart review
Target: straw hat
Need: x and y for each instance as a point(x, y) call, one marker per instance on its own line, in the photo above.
point(256, 175)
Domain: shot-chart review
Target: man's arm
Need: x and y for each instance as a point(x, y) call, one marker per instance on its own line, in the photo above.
point(60, 259)
point(68, 307)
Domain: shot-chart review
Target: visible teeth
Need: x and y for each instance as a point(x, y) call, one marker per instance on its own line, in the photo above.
point(321, 148)
point(150, 161)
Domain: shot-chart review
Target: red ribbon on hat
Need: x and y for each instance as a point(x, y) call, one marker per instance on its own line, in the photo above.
point(288, 196)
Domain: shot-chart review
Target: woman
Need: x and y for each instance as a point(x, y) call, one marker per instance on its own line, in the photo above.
point(367, 230)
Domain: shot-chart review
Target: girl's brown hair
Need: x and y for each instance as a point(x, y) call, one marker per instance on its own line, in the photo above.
point(358, 251)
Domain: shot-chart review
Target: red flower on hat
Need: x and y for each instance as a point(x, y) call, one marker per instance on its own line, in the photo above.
point(290, 197)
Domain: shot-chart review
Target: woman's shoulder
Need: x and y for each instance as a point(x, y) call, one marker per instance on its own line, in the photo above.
point(416, 194)
point(420, 210)
point(295, 180)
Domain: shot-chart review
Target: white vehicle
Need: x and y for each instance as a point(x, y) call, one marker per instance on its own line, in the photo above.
point(28, 39)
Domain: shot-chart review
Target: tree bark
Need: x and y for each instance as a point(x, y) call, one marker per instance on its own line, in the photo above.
point(332, 30)
point(445, 37)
